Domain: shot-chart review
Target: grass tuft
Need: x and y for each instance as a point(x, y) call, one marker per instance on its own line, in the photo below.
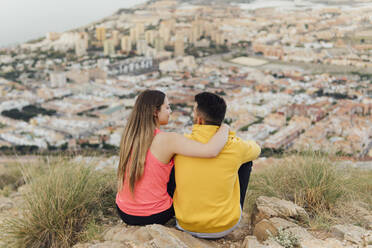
point(64, 200)
point(313, 182)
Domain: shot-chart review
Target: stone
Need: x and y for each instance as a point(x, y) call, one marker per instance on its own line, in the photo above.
point(280, 223)
point(252, 242)
point(263, 229)
point(301, 233)
point(239, 233)
point(169, 237)
point(272, 244)
point(85, 245)
point(123, 233)
point(317, 243)
point(268, 207)
point(368, 220)
point(113, 244)
point(151, 236)
point(351, 233)
point(107, 244)
point(6, 203)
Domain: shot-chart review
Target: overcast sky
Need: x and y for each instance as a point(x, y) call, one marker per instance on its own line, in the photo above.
point(23, 20)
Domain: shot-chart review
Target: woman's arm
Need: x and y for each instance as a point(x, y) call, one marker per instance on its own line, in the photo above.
point(179, 144)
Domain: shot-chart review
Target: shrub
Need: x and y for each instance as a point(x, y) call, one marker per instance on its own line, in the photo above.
point(286, 239)
point(64, 199)
point(311, 180)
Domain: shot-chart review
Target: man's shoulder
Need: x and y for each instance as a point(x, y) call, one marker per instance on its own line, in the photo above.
point(238, 142)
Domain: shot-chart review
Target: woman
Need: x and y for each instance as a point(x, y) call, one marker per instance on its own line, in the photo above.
point(146, 160)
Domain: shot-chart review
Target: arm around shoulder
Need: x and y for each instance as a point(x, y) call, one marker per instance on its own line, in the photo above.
point(179, 144)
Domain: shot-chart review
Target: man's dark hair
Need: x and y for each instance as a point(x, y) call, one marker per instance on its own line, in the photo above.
point(212, 107)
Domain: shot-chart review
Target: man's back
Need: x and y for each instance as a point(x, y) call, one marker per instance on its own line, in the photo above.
point(207, 196)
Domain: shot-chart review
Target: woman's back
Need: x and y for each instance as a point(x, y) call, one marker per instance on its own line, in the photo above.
point(150, 192)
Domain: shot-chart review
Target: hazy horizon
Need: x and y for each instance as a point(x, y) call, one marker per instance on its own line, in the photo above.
point(24, 20)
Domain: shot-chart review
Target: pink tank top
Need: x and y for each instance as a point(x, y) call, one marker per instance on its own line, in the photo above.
point(150, 192)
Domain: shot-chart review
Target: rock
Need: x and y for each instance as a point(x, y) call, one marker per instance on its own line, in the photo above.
point(240, 232)
point(317, 243)
point(280, 223)
point(268, 207)
point(6, 203)
point(251, 242)
point(85, 245)
point(122, 233)
point(107, 244)
point(168, 237)
point(111, 244)
point(351, 233)
point(263, 229)
point(368, 220)
point(301, 233)
point(272, 244)
point(151, 236)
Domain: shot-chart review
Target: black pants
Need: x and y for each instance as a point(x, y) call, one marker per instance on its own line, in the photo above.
point(244, 175)
point(159, 218)
point(163, 217)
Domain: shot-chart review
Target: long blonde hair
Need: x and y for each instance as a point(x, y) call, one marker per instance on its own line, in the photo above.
point(137, 137)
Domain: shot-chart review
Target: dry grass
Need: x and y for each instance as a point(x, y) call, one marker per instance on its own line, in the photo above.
point(10, 178)
point(312, 181)
point(63, 204)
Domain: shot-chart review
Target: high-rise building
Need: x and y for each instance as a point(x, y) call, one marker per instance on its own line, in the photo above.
point(150, 36)
point(209, 28)
point(126, 44)
point(141, 46)
point(179, 47)
point(197, 28)
point(108, 47)
point(133, 35)
point(164, 33)
point(219, 38)
point(52, 36)
point(136, 31)
point(140, 29)
point(81, 44)
point(159, 43)
point(101, 34)
point(115, 37)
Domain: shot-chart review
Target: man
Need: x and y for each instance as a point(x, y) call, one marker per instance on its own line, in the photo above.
point(210, 193)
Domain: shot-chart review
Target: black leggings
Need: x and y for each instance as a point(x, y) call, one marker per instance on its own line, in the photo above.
point(159, 218)
point(244, 175)
point(163, 217)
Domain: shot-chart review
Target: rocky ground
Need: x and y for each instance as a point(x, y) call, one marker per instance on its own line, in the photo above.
point(283, 219)
point(271, 218)
point(273, 223)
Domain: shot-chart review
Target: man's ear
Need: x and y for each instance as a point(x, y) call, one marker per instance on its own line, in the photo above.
point(199, 120)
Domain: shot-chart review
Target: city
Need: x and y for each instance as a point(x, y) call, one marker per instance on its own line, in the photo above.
point(296, 77)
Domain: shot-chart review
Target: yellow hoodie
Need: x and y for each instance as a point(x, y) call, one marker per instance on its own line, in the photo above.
point(207, 195)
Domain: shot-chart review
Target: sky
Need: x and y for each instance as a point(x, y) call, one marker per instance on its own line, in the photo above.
point(23, 20)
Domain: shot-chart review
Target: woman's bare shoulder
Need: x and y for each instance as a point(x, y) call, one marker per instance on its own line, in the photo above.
point(165, 137)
